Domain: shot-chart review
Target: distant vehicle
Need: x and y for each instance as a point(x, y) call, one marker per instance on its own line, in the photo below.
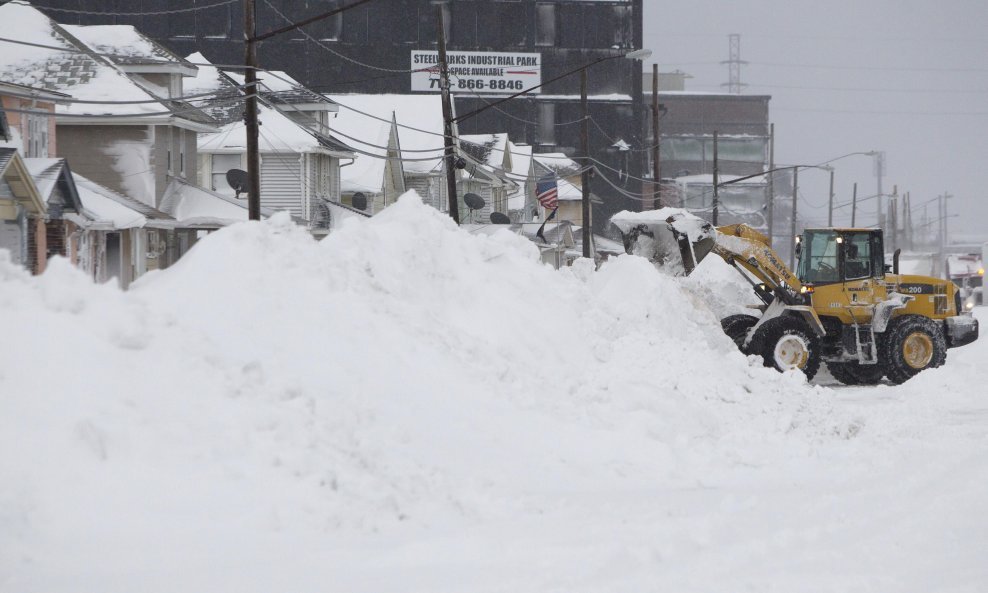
point(967, 272)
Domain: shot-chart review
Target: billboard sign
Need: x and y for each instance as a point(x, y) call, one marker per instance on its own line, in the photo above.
point(479, 72)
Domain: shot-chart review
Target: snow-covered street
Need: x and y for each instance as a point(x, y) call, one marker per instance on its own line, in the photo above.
point(405, 407)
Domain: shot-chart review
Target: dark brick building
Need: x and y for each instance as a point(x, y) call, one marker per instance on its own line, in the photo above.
point(368, 50)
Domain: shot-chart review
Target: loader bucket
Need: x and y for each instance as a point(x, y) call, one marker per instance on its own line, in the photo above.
point(677, 243)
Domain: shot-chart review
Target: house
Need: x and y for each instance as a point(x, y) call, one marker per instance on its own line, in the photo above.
point(398, 141)
point(28, 122)
point(22, 212)
point(555, 36)
point(521, 198)
point(299, 158)
point(126, 126)
point(566, 173)
point(56, 186)
point(488, 171)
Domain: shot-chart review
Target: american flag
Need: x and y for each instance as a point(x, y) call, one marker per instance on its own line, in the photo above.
point(547, 192)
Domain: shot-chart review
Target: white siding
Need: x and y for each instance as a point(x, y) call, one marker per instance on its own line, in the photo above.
point(281, 182)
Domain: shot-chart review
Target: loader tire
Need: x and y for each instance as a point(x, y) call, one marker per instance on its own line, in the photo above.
point(853, 373)
point(911, 343)
point(736, 327)
point(786, 343)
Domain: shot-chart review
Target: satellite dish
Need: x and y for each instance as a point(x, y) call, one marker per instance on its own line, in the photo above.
point(473, 201)
point(237, 179)
point(359, 201)
point(500, 218)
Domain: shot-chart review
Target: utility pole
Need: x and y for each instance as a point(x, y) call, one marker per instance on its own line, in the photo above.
point(879, 172)
point(792, 224)
point(251, 39)
point(250, 114)
point(771, 181)
point(585, 176)
point(854, 206)
point(656, 169)
point(893, 216)
point(450, 156)
point(907, 215)
point(830, 203)
point(716, 181)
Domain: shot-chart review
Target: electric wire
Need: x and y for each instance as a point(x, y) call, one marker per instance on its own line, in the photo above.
point(69, 99)
point(128, 14)
point(336, 53)
point(126, 115)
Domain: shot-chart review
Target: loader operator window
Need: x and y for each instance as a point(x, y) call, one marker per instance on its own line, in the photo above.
point(857, 256)
point(818, 262)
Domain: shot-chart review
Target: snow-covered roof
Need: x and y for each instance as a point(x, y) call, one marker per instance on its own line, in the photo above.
point(49, 174)
point(104, 207)
point(556, 161)
point(126, 46)
point(67, 64)
point(20, 181)
point(195, 207)
point(277, 133)
point(364, 122)
point(489, 149)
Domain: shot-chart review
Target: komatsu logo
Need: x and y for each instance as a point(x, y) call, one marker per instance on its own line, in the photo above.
point(778, 265)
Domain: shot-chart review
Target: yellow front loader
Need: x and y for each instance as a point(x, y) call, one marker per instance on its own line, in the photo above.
point(841, 306)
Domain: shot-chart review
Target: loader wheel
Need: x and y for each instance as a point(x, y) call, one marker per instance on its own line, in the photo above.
point(736, 327)
point(786, 343)
point(911, 343)
point(853, 373)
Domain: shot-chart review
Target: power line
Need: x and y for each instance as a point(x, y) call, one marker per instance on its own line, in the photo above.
point(333, 51)
point(185, 98)
point(91, 53)
point(870, 90)
point(884, 112)
point(124, 115)
point(129, 14)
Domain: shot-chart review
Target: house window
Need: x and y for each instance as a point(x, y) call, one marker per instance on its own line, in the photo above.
point(221, 164)
point(547, 123)
point(545, 15)
point(37, 136)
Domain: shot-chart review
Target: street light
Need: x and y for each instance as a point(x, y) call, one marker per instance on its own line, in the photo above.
point(638, 54)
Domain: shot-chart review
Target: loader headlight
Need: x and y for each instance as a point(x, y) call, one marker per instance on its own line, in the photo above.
point(969, 305)
point(806, 289)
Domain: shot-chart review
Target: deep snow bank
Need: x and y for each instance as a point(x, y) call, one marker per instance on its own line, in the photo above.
point(401, 371)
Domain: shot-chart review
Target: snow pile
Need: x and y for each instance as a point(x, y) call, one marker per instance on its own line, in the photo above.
point(402, 406)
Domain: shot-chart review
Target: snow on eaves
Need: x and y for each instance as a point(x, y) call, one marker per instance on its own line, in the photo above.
point(67, 65)
point(364, 122)
point(125, 45)
point(278, 133)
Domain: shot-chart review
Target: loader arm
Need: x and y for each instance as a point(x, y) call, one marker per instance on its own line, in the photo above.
point(679, 240)
point(741, 245)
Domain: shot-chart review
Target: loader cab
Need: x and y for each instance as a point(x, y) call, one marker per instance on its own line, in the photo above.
point(830, 256)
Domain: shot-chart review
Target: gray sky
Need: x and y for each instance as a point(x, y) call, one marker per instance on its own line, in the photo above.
point(906, 77)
